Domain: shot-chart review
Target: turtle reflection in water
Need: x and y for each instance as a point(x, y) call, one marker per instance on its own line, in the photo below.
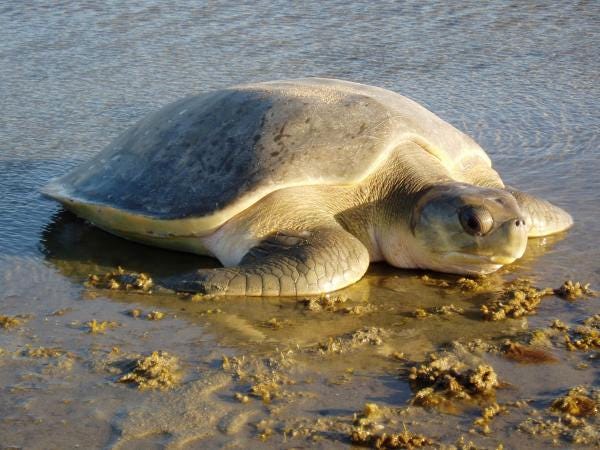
point(295, 186)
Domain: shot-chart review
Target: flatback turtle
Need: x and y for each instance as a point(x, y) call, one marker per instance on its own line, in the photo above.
point(295, 186)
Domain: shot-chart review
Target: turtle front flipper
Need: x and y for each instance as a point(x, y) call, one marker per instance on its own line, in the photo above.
point(542, 217)
point(287, 264)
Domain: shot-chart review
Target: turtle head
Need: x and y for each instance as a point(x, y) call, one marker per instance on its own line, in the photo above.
point(466, 229)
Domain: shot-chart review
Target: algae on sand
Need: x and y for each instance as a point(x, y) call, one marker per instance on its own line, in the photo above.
point(94, 326)
point(517, 299)
point(351, 341)
point(120, 279)
point(159, 370)
point(367, 431)
point(445, 378)
point(577, 403)
point(9, 321)
point(573, 417)
point(584, 337)
point(573, 290)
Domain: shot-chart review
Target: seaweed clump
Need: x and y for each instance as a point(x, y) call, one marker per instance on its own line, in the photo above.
point(135, 313)
point(518, 299)
point(426, 279)
point(582, 338)
point(487, 414)
point(576, 403)
point(473, 284)
point(443, 310)
point(120, 279)
point(159, 370)
point(447, 378)
point(335, 303)
point(269, 387)
point(155, 315)
point(276, 324)
point(94, 326)
point(367, 432)
point(351, 341)
point(326, 302)
point(527, 354)
point(43, 352)
point(9, 321)
point(574, 418)
point(266, 377)
point(572, 291)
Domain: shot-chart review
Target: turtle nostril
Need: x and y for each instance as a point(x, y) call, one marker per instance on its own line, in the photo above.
point(519, 222)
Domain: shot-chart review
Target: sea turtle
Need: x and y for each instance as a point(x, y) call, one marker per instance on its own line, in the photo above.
point(295, 186)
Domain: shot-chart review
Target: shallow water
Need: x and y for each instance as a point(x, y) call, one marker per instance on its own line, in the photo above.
point(522, 79)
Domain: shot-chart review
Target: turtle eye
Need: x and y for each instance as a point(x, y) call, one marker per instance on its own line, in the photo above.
point(476, 220)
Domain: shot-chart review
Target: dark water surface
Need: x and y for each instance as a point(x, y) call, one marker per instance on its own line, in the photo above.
point(521, 78)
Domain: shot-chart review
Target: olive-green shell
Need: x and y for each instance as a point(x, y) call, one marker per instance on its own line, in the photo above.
point(210, 156)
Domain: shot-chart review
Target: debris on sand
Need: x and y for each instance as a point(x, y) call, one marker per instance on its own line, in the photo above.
point(276, 324)
point(583, 337)
point(60, 312)
point(120, 279)
point(335, 303)
point(350, 341)
point(448, 310)
point(487, 414)
point(94, 327)
point(367, 432)
point(359, 310)
point(445, 378)
point(518, 299)
point(576, 403)
point(421, 313)
point(152, 315)
point(592, 321)
point(264, 429)
point(434, 281)
point(197, 297)
point(404, 439)
point(527, 354)
point(465, 284)
point(268, 381)
point(573, 417)
point(242, 398)
point(270, 387)
point(155, 315)
point(43, 352)
point(474, 284)
point(559, 325)
point(159, 370)
point(326, 302)
point(10, 321)
point(210, 311)
point(235, 365)
point(135, 313)
point(572, 291)
point(476, 346)
point(444, 310)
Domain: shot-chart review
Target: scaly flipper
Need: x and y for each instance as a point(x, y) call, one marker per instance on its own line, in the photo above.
point(285, 263)
point(542, 217)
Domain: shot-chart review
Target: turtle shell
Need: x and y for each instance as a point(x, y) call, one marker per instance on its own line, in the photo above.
point(207, 157)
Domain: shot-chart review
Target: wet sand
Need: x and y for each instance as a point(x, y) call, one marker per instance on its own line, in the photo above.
point(267, 372)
